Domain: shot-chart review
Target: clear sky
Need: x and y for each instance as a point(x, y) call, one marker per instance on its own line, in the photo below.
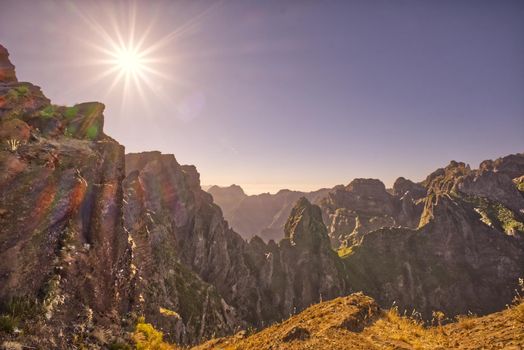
point(289, 94)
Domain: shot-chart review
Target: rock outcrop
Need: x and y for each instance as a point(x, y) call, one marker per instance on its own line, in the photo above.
point(228, 198)
point(7, 70)
point(64, 254)
point(365, 205)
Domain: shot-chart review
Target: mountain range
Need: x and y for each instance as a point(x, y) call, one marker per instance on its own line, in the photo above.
point(103, 249)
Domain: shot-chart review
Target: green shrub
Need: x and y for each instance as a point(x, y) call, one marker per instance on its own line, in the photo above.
point(48, 111)
point(22, 90)
point(22, 307)
point(8, 323)
point(71, 112)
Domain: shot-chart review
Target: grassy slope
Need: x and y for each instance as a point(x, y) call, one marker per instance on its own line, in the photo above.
point(381, 330)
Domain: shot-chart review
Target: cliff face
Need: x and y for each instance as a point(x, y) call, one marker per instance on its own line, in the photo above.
point(179, 235)
point(7, 70)
point(258, 282)
point(63, 251)
point(90, 239)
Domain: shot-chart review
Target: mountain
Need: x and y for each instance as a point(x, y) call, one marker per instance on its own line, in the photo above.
point(466, 253)
point(101, 249)
point(357, 322)
point(264, 214)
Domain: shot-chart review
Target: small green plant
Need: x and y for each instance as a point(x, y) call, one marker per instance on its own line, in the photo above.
point(119, 346)
point(68, 132)
point(13, 144)
point(17, 92)
point(8, 323)
point(17, 309)
point(48, 111)
point(71, 112)
point(22, 90)
point(92, 132)
point(438, 317)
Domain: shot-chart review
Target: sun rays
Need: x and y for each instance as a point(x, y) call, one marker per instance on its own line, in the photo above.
point(133, 59)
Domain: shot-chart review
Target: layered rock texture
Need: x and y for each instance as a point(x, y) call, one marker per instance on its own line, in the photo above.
point(264, 214)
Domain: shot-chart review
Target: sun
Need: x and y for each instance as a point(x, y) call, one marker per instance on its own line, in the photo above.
point(134, 60)
point(129, 60)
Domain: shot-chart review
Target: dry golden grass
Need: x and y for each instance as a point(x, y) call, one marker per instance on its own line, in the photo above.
point(324, 326)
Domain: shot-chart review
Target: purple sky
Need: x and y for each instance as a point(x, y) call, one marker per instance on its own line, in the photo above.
point(294, 94)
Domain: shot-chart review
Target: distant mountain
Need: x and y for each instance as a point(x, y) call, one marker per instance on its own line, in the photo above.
point(348, 211)
point(263, 214)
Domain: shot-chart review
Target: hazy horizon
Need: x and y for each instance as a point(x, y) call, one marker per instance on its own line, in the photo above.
point(298, 94)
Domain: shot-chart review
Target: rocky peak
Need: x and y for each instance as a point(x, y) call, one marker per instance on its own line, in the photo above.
point(192, 176)
point(512, 165)
point(367, 187)
point(443, 180)
point(304, 226)
point(7, 69)
point(403, 185)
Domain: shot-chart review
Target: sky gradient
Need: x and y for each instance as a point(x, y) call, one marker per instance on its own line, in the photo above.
point(291, 94)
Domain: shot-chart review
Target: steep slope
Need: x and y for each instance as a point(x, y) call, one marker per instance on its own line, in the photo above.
point(64, 256)
point(356, 322)
point(263, 215)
